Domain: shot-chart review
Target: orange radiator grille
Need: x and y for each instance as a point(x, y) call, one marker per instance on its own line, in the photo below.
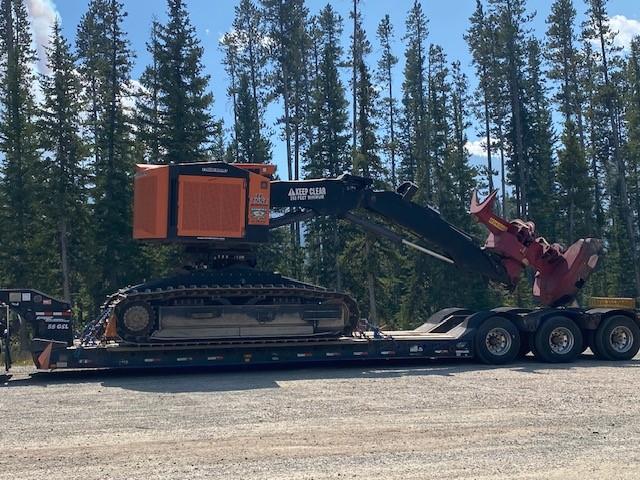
point(150, 202)
point(211, 206)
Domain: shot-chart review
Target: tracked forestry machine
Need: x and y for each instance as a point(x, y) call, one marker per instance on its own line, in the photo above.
point(222, 310)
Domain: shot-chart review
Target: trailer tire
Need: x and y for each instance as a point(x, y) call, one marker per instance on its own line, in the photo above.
point(135, 320)
point(558, 339)
point(617, 338)
point(497, 341)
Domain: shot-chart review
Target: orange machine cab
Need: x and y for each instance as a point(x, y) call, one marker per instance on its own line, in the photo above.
point(202, 203)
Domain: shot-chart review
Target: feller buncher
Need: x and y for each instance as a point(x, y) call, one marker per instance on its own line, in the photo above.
point(222, 310)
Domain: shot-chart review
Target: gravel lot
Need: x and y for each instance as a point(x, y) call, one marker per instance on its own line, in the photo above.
point(439, 420)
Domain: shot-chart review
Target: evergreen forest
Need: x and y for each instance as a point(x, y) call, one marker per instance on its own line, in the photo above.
point(558, 115)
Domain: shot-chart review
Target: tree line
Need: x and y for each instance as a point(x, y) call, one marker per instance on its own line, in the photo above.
point(68, 153)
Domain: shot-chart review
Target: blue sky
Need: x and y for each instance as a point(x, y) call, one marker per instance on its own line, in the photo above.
point(448, 21)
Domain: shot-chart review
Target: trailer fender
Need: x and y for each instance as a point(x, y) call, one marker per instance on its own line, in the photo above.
point(475, 320)
point(516, 315)
point(438, 317)
point(595, 316)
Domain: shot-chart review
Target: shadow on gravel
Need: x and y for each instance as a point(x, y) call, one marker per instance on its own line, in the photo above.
point(193, 380)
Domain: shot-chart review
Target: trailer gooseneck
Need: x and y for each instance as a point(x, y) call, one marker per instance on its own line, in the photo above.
point(224, 311)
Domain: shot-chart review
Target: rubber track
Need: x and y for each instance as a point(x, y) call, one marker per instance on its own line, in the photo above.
point(301, 290)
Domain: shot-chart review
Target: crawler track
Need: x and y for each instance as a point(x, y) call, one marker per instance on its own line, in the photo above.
point(234, 286)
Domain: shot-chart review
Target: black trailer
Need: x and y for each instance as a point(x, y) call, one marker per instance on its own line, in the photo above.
point(497, 336)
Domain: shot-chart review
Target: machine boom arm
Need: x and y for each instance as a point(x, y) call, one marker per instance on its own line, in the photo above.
point(511, 246)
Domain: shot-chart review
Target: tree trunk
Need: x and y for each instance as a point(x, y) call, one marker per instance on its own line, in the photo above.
point(487, 127)
point(514, 89)
point(64, 260)
point(392, 128)
point(355, 59)
point(337, 262)
point(572, 221)
point(371, 282)
point(287, 126)
point(234, 99)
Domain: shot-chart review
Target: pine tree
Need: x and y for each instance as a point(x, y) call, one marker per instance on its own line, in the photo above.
point(439, 128)
point(479, 39)
point(93, 60)
point(563, 58)
point(597, 29)
point(356, 58)
point(539, 145)
point(596, 145)
point(106, 58)
point(251, 146)
point(414, 162)
point(251, 55)
point(632, 122)
point(386, 64)
point(149, 126)
point(512, 30)
point(188, 129)
point(286, 28)
point(362, 249)
point(64, 175)
point(286, 20)
point(458, 180)
point(464, 175)
point(575, 185)
point(328, 155)
point(18, 187)
point(230, 45)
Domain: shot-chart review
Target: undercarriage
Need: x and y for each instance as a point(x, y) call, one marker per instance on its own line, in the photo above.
point(233, 302)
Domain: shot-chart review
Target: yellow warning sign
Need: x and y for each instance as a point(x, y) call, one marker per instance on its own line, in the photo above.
point(612, 302)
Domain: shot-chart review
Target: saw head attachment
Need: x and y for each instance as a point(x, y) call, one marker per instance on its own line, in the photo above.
point(560, 273)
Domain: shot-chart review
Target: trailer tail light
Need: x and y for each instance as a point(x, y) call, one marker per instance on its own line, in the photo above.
point(150, 202)
point(211, 206)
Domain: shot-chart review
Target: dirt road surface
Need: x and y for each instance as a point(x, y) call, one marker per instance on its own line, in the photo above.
point(439, 420)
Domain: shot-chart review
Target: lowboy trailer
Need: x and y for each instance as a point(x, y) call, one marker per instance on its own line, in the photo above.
point(497, 336)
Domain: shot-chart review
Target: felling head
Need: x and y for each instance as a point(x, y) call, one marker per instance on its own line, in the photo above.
point(560, 273)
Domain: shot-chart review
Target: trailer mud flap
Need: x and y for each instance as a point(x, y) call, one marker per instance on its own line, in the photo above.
point(43, 351)
point(42, 360)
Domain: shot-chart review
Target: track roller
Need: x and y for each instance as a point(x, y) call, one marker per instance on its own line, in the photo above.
point(557, 340)
point(617, 338)
point(497, 341)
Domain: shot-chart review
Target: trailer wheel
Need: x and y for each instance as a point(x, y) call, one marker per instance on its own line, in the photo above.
point(557, 340)
point(136, 320)
point(617, 338)
point(497, 341)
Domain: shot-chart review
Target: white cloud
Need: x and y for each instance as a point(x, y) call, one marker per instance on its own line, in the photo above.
point(627, 28)
point(129, 93)
point(42, 15)
point(476, 147)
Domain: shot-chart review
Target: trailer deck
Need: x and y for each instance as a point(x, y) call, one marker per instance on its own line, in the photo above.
point(370, 346)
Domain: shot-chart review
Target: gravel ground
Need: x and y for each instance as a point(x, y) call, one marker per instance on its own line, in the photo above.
point(439, 420)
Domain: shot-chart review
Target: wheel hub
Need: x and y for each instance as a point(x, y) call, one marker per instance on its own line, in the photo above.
point(498, 341)
point(621, 339)
point(561, 340)
point(136, 318)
